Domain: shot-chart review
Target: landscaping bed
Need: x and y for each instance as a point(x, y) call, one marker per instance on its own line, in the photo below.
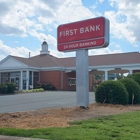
point(59, 117)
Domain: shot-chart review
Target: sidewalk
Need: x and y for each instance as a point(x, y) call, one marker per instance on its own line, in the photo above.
point(17, 138)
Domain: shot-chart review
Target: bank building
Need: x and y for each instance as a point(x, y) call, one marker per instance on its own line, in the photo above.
point(26, 73)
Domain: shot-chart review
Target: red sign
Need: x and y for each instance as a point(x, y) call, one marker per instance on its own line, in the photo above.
point(87, 34)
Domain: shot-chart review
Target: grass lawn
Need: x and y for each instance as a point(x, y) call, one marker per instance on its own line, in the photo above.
point(119, 127)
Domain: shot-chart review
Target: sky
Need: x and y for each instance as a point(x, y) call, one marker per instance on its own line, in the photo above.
point(25, 24)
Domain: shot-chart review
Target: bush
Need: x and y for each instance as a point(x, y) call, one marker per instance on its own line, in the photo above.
point(11, 87)
point(48, 87)
point(135, 77)
point(34, 90)
point(112, 92)
point(132, 87)
point(45, 86)
point(3, 88)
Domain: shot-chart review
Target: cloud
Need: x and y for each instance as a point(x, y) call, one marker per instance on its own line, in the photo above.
point(4, 8)
point(24, 52)
point(38, 18)
point(25, 16)
point(6, 29)
point(17, 51)
point(114, 44)
point(101, 1)
point(42, 36)
point(104, 51)
point(129, 28)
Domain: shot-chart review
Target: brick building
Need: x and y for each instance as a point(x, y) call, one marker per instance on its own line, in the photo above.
point(61, 72)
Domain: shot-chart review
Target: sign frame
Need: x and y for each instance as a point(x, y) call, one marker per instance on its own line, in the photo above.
point(86, 34)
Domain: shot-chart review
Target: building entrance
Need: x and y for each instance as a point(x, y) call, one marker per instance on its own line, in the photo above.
point(16, 81)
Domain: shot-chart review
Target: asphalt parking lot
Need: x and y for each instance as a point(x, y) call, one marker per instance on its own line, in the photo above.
point(39, 100)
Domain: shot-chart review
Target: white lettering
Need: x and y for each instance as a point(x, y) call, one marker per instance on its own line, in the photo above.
point(65, 46)
point(89, 29)
point(73, 45)
point(86, 29)
point(71, 32)
point(61, 33)
point(81, 30)
point(97, 27)
point(87, 44)
point(75, 30)
point(92, 28)
point(67, 33)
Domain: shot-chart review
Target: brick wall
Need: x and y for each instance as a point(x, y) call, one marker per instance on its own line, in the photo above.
point(60, 79)
point(134, 71)
point(66, 76)
point(54, 77)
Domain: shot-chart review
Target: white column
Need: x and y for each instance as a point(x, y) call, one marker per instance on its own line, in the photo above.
point(102, 78)
point(130, 71)
point(21, 80)
point(32, 79)
point(61, 79)
point(27, 80)
point(0, 78)
point(106, 75)
point(122, 75)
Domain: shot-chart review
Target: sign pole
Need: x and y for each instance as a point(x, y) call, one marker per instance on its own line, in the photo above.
point(82, 78)
point(80, 36)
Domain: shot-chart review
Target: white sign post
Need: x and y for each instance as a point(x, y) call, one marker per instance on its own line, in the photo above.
point(82, 78)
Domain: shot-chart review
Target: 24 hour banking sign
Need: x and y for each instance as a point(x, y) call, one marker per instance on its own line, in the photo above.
point(87, 34)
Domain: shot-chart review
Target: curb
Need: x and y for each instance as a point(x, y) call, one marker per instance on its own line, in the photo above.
point(17, 138)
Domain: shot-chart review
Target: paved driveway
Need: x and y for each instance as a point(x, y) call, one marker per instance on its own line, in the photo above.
point(39, 100)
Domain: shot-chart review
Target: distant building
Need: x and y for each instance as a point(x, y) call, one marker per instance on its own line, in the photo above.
point(61, 72)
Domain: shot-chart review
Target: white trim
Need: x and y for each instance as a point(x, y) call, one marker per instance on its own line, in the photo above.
point(52, 68)
point(130, 71)
point(21, 80)
point(27, 79)
point(0, 78)
point(10, 57)
point(33, 79)
point(106, 75)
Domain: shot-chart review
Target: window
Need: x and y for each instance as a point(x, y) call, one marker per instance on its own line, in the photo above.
point(71, 81)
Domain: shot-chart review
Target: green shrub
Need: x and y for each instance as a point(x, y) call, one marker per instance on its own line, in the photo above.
point(135, 77)
point(132, 87)
point(11, 87)
point(3, 88)
point(112, 92)
point(34, 90)
point(48, 87)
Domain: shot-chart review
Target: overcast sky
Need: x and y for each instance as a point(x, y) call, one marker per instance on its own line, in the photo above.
point(24, 24)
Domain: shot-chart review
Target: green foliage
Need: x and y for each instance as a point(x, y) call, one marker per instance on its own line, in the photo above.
point(11, 87)
point(3, 88)
point(48, 87)
point(118, 127)
point(45, 86)
point(112, 92)
point(34, 90)
point(135, 77)
point(132, 88)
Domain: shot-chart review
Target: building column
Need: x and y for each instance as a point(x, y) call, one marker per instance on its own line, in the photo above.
point(130, 71)
point(102, 77)
point(21, 80)
point(0, 78)
point(121, 75)
point(27, 80)
point(62, 79)
point(32, 79)
point(106, 75)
